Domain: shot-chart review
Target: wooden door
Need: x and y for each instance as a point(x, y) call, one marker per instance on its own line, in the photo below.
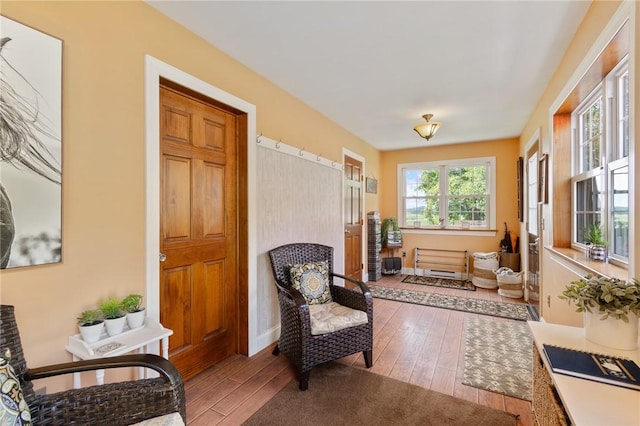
point(198, 232)
point(353, 218)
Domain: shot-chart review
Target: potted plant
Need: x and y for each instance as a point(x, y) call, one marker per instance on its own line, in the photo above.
point(114, 316)
point(391, 234)
point(596, 245)
point(611, 307)
point(90, 324)
point(132, 304)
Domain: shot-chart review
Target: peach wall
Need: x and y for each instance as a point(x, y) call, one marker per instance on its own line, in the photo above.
point(506, 153)
point(104, 154)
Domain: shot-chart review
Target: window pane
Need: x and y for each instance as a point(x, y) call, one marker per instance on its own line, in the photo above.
point(470, 209)
point(619, 240)
point(413, 183)
point(423, 210)
point(470, 180)
point(588, 205)
point(623, 114)
point(430, 182)
point(590, 137)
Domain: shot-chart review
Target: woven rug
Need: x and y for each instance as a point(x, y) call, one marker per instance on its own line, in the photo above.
point(341, 395)
point(497, 357)
point(484, 307)
point(439, 282)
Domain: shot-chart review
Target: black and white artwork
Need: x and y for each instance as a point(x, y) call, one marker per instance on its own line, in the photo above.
point(30, 146)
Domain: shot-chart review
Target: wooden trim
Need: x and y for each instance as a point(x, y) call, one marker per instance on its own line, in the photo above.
point(561, 180)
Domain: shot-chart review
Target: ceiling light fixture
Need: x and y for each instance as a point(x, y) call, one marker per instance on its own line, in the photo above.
point(428, 129)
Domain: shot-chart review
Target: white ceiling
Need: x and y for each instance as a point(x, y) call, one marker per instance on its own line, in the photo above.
point(376, 67)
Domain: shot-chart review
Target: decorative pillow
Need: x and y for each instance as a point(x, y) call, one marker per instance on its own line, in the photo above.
point(312, 280)
point(13, 408)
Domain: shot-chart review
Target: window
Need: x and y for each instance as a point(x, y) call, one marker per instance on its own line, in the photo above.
point(455, 194)
point(600, 178)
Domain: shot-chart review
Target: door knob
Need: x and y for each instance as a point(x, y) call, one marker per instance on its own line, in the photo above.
point(163, 257)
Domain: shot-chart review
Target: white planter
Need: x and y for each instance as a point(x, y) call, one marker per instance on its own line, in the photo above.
point(612, 332)
point(115, 325)
point(91, 333)
point(136, 319)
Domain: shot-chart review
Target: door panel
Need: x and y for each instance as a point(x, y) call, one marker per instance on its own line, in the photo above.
point(198, 279)
point(353, 218)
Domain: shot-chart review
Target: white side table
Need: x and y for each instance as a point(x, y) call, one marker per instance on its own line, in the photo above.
point(123, 343)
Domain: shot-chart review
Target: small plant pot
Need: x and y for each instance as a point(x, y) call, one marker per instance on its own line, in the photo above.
point(91, 333)
point(597, 252)
point(136, 319)
point(115, 325)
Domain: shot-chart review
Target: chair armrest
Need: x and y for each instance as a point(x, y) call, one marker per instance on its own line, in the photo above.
point(363, 287)
point(112, 403)
point(155, 362)
point(361, 300)
point(293, 294)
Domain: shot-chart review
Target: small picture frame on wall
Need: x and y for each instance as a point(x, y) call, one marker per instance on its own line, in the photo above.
point(371, 185)
point(543, 184)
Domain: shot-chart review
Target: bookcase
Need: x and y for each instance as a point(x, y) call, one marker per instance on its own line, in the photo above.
point(559, 399)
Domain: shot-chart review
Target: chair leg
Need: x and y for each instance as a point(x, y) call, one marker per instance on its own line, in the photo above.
point(304, 380)
point(367, 358)
point(276, 350)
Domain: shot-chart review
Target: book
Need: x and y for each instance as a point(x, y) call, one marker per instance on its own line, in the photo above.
point(591, 366)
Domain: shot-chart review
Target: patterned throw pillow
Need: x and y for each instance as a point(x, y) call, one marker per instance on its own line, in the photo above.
point(13, 408)
point(312, 280)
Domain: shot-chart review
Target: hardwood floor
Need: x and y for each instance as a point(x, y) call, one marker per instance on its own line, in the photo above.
point(417, 344)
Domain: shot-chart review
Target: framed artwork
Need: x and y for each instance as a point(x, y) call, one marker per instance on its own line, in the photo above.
point(31, 146)
point(543, 184)
point(371, 185)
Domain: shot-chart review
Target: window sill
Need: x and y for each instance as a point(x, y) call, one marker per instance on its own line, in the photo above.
point(601, 268)
point(451, 231)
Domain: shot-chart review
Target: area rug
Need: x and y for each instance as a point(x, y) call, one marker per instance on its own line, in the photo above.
point(439, 282)
point(484, 307)
point(497, 357)
point(341, 395)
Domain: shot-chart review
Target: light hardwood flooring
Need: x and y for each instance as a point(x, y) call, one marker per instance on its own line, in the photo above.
point(413, 343)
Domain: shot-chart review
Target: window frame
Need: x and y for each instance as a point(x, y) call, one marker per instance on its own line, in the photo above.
point(442, 166)
point(611, 155)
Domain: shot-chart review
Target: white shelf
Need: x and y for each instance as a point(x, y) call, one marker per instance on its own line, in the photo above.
point(152, 331)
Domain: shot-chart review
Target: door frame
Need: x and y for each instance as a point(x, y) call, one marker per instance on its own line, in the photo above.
point(154, 70)
point(533, 140)
point(348, 153)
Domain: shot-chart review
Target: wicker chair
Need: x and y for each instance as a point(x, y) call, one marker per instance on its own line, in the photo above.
point(109, 404)
point(302, 348)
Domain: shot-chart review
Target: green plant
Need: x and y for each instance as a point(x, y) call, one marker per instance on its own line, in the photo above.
point(611, 296)
point(111, 308)
point(593, 234)
point(132, 303)
point(389, 224)
point(90, 317)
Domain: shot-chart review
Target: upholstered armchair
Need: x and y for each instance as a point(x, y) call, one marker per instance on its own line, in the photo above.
point(319, 321)
point(120, 403)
